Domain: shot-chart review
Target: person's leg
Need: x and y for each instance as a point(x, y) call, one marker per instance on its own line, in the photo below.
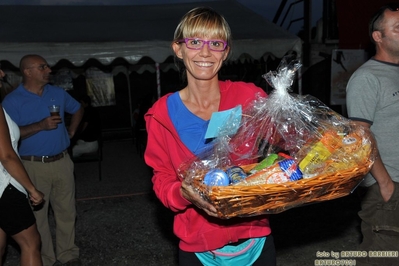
point(188, 259)
point(29, 242)
point(17, 220)
point(3, 244)
point(42, 178)
point(64, 208)
point(268, 255)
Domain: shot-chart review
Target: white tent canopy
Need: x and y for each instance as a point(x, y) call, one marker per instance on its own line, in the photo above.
point(104, 33)
point(79, 33)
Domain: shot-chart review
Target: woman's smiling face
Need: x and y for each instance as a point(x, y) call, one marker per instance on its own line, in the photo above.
point(201, 64)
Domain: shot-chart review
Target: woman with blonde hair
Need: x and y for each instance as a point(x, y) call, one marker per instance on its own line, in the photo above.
point(176, 126)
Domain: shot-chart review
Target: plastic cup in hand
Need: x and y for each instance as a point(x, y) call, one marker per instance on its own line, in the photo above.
point(54, 110)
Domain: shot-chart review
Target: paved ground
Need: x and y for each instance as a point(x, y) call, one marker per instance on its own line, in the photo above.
point(120, 222)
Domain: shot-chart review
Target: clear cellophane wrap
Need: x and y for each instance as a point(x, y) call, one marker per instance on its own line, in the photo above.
point(331, 153)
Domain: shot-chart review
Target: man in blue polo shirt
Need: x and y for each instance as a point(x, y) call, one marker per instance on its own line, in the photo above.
point(43, 150)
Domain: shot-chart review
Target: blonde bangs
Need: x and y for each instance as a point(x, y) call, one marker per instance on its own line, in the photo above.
point(203, 23)
point(205, 28)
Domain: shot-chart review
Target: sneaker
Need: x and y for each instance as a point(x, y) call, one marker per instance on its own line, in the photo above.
point(73, 262)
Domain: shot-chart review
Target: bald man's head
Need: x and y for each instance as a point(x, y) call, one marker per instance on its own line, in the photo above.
point(27, 61)
point(35, 70)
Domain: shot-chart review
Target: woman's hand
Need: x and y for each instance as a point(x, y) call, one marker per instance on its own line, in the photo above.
point(36, 197)
point(187, 191)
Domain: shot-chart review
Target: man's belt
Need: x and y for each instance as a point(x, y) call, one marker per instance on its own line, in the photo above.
point(45, 159)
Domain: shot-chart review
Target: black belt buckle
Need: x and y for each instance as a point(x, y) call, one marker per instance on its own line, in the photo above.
point(54, 157)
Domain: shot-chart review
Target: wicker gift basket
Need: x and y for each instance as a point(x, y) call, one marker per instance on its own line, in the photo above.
point(289, 150)
point(244, 200)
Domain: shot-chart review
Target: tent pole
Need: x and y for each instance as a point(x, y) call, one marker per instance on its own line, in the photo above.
point(300, 81)
point(130, 97)
point(158, 80)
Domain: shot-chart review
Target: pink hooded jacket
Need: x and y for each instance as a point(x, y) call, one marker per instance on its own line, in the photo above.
point(165, 152)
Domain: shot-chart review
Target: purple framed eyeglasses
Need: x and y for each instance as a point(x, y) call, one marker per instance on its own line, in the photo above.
point(197, 44)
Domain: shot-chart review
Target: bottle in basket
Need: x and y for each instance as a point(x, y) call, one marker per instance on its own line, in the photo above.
point(216, 177)
point(319, 152)
point(235, 174)
point(290, 168)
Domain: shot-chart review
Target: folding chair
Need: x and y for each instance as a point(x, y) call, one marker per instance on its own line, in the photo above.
point(96, 156)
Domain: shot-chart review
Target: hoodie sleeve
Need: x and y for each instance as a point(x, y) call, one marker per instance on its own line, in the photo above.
point(164, 154)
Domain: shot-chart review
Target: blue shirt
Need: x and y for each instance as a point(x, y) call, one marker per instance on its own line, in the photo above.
point(25, 108)
point(191, 128)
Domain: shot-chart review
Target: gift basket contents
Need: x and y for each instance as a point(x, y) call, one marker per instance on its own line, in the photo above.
point(280, 152)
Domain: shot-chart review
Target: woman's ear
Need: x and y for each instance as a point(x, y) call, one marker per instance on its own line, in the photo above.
point(177, 49)
point(226, 53)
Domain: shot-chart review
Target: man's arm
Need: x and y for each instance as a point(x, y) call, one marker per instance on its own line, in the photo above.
point(379, 171)
point(75, 120)
point(47, 123)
